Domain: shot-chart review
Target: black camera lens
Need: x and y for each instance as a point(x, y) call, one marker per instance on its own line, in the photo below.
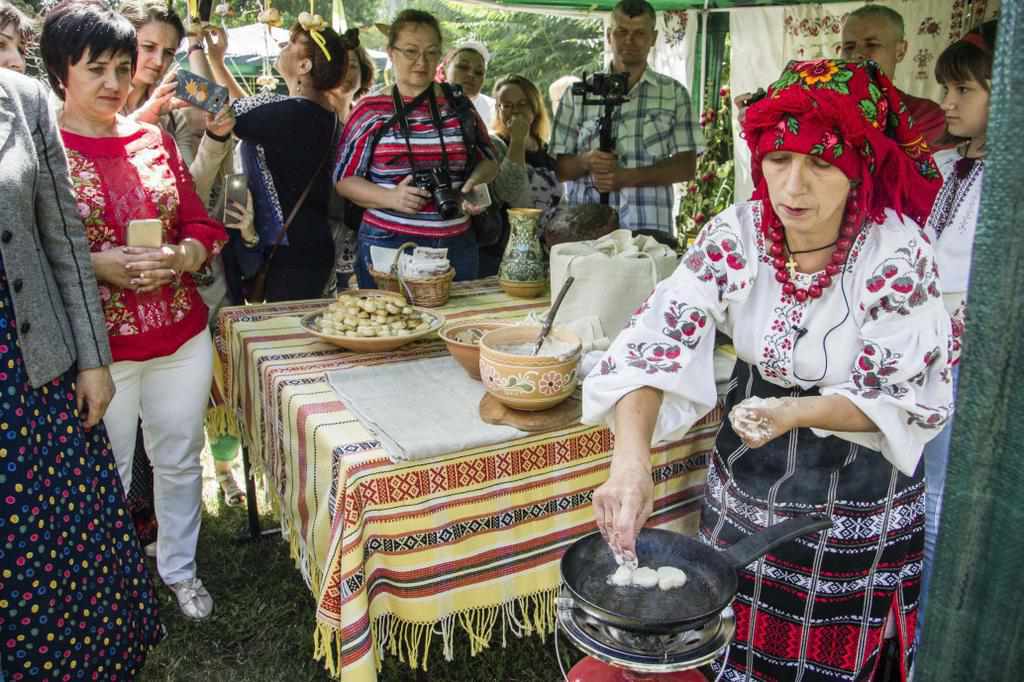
point(447, 202)
point(439, 184)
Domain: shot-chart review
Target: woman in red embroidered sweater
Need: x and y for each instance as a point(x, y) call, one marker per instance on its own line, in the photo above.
point(122, 171)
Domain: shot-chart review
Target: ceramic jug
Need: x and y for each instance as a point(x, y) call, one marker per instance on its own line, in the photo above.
point(522, 267)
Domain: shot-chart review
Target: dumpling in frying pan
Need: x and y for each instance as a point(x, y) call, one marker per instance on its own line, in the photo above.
point(670, 577)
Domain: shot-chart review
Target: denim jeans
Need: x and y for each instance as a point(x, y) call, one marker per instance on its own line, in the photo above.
point(935, 460)
point(463, 253)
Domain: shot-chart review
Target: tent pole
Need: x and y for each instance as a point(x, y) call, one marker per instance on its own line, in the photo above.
point(703, 54)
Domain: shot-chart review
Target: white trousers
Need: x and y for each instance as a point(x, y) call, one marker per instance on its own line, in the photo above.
point(171, 394)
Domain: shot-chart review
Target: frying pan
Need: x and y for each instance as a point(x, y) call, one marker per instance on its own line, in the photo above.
point(711, 575)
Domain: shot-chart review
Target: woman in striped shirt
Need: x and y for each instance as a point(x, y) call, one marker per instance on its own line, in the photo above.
point(385, 161)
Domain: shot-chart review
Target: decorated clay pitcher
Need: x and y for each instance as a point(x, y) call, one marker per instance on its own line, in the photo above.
point(522, 267)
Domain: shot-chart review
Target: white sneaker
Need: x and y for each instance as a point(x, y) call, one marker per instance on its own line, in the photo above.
point(193, 599)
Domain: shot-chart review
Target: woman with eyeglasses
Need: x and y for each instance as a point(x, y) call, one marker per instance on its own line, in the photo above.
point(527, 175)
point(393, 166)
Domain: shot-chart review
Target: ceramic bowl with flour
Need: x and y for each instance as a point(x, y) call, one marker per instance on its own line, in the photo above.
point(521, 380)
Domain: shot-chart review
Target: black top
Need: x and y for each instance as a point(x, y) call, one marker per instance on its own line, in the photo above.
point(285, 140)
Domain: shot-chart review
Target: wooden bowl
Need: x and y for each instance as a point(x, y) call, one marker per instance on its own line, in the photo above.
point(526, 382)
point(467, 352)
point(523, 289)
point(375, 344)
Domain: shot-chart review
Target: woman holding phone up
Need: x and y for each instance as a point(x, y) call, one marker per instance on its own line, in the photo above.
point(123, 171)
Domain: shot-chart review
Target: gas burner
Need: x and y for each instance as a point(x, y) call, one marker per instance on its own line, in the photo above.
point(646, 652)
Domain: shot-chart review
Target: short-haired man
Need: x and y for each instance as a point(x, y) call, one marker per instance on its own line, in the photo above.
point(876, 32)
point(655, 139)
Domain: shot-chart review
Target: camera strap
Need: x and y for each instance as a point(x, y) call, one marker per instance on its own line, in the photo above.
point(403, 123)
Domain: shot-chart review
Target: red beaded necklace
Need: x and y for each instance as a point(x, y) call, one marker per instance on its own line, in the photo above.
point(785, 269)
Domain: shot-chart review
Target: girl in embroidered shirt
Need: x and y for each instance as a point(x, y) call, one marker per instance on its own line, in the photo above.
point(965, 71)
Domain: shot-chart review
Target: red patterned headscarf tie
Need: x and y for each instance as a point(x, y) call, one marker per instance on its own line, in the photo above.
point(851, 116)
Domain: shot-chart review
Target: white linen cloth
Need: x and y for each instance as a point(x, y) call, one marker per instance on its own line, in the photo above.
point(878, 336)
point(757, 57)
point(419, 409)
point(612, 276)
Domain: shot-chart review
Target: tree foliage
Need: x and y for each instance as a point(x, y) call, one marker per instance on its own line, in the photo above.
point(539, 47)
point(542, 48)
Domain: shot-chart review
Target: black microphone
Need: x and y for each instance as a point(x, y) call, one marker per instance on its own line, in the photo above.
point(800, 331)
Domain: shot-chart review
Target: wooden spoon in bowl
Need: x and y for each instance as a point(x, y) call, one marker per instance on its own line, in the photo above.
point(551, 314)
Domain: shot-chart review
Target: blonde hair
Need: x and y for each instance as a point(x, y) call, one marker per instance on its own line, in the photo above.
point(540, 129)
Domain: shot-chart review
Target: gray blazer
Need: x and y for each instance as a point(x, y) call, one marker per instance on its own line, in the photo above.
point(42, 240)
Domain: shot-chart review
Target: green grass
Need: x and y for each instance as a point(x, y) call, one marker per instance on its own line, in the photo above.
point(261, 629)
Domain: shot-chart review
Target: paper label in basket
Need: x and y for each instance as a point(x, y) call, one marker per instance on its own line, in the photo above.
point(382, 258)
point(423, 262)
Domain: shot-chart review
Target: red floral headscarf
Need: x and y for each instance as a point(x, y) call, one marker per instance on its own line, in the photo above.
point(850, 115)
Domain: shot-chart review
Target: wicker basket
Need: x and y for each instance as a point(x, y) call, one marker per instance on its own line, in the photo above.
point(431, 292)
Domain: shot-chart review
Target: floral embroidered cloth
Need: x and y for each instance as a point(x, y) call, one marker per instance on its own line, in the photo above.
point(951, 227)
point(419, 409)
point(137, 177)
point(880, 336)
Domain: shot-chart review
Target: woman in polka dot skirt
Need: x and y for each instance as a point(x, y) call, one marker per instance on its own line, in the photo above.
point(76, 601)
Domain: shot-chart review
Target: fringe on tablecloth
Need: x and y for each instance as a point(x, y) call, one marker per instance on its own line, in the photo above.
point(410, 642)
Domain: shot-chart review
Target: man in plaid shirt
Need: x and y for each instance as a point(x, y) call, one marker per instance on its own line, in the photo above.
point(655, 139)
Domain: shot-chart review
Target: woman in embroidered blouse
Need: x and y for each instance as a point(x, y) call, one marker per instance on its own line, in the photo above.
point(124, 170)
point(527, 176)
point(827, 289)
point(965, 71)
point(376, 161)
point(287, 145)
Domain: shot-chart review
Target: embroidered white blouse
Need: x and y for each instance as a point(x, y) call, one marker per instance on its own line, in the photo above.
point(952, 223)
point(951, 226)
point(879, 335)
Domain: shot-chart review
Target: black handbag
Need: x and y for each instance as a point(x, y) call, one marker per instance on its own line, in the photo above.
point(491, 226)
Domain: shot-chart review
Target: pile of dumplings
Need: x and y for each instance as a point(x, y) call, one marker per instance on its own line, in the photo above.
point(664, 577)
point(371, 317)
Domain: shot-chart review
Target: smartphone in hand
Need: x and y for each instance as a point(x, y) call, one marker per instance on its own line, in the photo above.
point(236, 190)
point(147, 233)
point(200, 92)
point(479, 196)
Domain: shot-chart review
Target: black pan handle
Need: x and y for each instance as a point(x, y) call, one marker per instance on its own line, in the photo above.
point(757, 545)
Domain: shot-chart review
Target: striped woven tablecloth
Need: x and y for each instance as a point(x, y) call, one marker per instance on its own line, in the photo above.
point(403, 556)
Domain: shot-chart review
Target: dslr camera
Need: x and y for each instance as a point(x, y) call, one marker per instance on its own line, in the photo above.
point(437, 181)
point(605, 86)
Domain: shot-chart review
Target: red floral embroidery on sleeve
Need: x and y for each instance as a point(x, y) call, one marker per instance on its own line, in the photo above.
point(873, 367)
point(717, 251)
point(901, 282)
point(654, 357)
point(685, 324)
